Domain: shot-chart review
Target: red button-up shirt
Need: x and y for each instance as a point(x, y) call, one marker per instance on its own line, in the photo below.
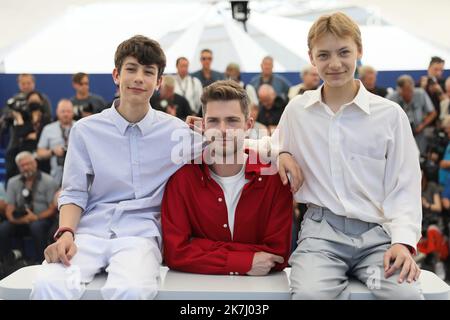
point(194, 221)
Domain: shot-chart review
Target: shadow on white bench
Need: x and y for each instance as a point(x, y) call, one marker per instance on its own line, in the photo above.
point(178, 286)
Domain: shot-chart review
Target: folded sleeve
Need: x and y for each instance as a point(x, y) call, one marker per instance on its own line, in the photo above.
point(78, 173)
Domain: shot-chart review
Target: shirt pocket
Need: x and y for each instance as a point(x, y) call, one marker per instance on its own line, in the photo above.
point(368, 173)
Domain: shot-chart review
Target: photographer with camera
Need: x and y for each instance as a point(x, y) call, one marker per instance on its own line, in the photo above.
point(168, 101)
point(27, 84)
point(30, 208)
point(85, 101)
point(433, 82)
point(419, 108)
point(55, 137)
point(27, 121)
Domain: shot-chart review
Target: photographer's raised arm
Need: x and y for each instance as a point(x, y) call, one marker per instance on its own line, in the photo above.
point(21, 129)
point(44, 153)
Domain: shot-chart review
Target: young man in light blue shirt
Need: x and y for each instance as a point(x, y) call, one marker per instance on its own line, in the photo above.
point(116, 168)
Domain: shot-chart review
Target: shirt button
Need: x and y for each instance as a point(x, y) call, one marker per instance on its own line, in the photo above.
point(220, 199)
point(231, 273)
point(259, 179)
point(225, 225)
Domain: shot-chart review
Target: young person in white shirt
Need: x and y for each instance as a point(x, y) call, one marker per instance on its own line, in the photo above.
point(362, 177)
point(188, 86)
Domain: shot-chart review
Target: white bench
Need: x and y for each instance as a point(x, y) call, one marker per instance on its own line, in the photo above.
point(178, 286)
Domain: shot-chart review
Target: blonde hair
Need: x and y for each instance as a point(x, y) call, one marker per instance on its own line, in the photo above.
point(168, 81)
point(306, 69)
point(365, 69)
point(23, 155)
point(338, 24)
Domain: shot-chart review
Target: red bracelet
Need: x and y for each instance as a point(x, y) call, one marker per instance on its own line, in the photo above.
point(60, 232)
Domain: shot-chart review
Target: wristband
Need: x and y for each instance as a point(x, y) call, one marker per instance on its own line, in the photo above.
point(280, 153)
point(61, 231)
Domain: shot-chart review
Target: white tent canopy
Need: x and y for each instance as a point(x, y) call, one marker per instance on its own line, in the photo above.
point(66, 36)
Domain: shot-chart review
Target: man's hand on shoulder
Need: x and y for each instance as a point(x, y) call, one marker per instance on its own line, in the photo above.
point(288, 165)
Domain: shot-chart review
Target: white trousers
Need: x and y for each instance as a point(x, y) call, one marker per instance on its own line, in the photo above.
point(132, 264)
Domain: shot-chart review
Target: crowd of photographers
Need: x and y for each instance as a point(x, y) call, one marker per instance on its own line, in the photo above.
point(35, 145)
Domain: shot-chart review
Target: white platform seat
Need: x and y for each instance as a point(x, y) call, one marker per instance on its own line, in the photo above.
point(178, 285)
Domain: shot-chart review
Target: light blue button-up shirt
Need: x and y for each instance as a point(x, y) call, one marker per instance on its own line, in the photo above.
point(116, 171)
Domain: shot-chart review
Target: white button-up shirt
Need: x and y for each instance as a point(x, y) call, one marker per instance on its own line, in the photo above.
point(361, 162)
point(190, 88)
point(117, 171)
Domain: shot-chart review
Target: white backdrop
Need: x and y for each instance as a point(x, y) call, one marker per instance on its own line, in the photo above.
point(66, 36)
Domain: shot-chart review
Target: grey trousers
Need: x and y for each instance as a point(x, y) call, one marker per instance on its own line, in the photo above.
point(331, 248)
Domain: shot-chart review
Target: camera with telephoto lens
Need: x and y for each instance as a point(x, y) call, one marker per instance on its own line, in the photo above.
point(20, 105)
point(28, 204)
point(17, 103)
point(438, 142)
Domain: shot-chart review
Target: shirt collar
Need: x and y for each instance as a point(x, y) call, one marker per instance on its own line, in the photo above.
point(122, 124)
point(361, 99)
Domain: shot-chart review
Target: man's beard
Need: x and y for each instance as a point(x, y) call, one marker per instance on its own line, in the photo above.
point(28, 174)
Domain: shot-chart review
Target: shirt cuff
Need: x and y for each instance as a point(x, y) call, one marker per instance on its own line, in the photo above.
point(239, 262)
point(404, 236)
point(411, 249)
point(77, 198)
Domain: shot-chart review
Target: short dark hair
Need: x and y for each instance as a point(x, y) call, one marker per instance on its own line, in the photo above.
point(404, 80)
point(206, 50)
point(78, 77)
point(179, 59)
point(145, 50)
point(436, 59)
point(225, 90)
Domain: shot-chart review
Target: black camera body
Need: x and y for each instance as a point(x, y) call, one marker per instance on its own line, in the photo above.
point(61, 159)
point(438, 143)
point(28, 204)
point(19, 104)
point(430, 81)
